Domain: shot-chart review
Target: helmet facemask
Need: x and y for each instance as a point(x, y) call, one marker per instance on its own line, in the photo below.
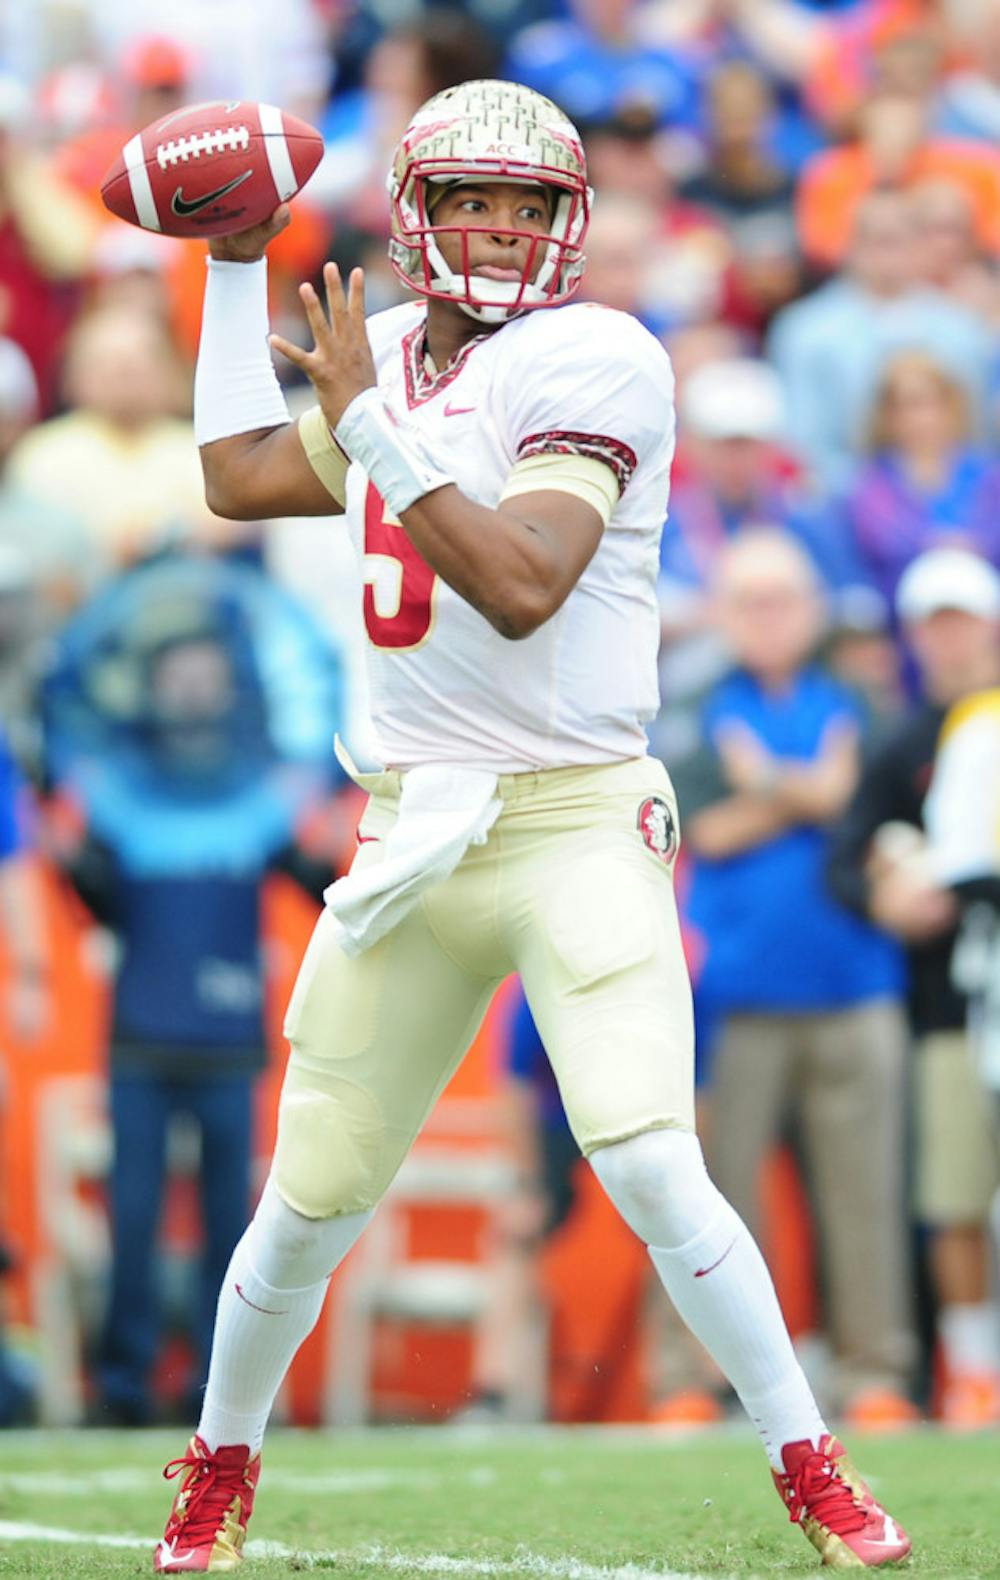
point(466, 135)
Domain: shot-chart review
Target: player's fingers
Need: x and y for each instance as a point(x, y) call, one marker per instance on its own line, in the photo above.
point(335, 299)
point(297, 354)
point(315, 315)
point(356, 298)
point(279, 220)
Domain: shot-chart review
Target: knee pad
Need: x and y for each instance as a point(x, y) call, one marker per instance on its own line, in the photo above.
point(659, 1184)
point(329, 1154)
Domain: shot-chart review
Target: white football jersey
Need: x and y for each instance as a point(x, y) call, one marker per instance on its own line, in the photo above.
point(444, 685)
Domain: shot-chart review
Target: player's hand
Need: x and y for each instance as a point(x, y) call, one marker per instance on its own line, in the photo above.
point(249, 246)
point(340, 365)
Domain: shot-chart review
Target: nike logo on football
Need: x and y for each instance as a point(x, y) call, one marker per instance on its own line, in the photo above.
point(264, 1310)
point(184, 208)
point(713, 1265)
point(456, 411)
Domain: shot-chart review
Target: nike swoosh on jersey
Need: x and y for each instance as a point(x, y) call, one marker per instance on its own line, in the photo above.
point(183, 207)
point(456, 411)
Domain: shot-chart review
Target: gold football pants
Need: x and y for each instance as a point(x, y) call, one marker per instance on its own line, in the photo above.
point(573, 890)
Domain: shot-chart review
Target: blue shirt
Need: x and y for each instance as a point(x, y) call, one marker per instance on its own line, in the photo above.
point(10, 840)
point(188, 880)
point(592, 81)
point(776, 938)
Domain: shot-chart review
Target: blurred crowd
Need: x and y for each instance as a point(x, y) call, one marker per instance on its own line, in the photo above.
point(801, 199)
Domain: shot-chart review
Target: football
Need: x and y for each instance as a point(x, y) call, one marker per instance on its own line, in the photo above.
point(211, 169)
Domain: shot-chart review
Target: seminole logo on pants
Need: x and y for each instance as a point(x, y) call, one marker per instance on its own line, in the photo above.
point(655, 823)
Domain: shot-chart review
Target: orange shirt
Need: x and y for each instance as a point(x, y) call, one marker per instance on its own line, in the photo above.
point(834, 182)
point(840, 74)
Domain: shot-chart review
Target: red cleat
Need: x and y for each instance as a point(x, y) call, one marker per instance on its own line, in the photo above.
point(826, 1496)
point(208, 1522)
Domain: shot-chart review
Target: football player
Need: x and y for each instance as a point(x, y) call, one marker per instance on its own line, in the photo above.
point(502, 460)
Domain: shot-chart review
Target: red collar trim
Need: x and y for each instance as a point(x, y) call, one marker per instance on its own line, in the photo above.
point(422, 386)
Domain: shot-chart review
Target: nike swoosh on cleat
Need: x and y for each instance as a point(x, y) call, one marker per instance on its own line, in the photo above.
point(184, 207)
point(713, 1265)
point(456, 411)
point(169, 1551)
point(264, 1310)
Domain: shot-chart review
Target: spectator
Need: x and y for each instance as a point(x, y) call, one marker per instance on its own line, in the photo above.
point(409, 64)
point(535, 1128)
point(46, 239)
point(121, 457)
point(621, 257)
point(736, 473)
point(749, 189)
point(968, 100)
point(892, 151)
point(805, 994)
point(22, 922)
point(228, 42)
point(161, 732)
point(949, 256)
point(592, 62)
point(133, 270)
point(740, 179)
point(629, 157)
point(924, 482)
point(949, 605)
point(45, 561)
point(152, 79)
point(154, 75)
point(830, 348)
point(28, 1007)
point(846, 56)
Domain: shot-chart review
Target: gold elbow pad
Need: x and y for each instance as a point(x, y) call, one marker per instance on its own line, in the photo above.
point(324, 454)
point(587, 479)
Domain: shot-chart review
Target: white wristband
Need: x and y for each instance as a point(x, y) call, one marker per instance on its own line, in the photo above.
point(236, 389)
point(393, 454)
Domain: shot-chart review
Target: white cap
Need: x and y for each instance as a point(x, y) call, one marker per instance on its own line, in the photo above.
point(948, 579)
point(735, 398)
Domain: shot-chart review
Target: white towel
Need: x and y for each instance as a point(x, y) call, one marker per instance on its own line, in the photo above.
point(442, 811)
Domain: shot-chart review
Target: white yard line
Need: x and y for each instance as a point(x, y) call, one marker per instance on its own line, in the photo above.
point(380, 1559)
point(336, 1483)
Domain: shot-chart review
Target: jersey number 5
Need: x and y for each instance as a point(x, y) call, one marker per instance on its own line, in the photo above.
point(399, 585)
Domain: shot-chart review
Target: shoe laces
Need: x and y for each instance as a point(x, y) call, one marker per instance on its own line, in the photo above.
point(205, 1497)
point(817, 1488)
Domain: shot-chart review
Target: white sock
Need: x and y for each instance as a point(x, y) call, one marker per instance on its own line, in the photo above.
point(720, 1284)
point(970, 1336)
point(714, 1273)
point(271, 1299)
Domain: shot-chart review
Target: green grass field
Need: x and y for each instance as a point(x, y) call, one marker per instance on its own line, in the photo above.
point(548, 1505)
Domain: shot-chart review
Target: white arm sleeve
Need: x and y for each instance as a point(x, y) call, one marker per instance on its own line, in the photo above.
point(236, 389)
